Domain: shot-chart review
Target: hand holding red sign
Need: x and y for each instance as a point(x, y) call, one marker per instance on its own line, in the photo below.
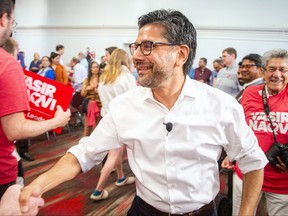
point(44, 97)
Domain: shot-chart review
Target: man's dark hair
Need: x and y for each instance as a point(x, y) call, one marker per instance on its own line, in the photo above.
point(219, 61)
point(6, 6)
point(257, 59)
point(178, 30)
point(111, 49)
point(59, 46)
point(54, 55)
point(204, 59)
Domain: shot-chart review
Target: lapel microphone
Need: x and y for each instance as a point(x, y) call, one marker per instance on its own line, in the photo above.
point(169, 126)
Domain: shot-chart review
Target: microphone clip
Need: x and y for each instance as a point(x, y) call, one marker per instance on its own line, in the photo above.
point(169, 127)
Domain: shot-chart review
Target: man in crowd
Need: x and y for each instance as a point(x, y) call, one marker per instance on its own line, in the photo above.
point(60, 49)
point(202, 73)
point(250, 72)
point(108, 52)
point(176, 165)
point(217, 65)
point(227, 77)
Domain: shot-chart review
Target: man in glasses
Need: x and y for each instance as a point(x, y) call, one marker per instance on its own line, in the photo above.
point(13, 125)
point(172, 133)
point(250, 72)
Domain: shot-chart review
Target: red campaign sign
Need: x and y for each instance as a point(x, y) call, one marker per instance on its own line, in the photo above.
point(44, 96)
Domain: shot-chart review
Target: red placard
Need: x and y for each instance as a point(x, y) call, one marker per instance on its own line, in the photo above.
point(44, 96)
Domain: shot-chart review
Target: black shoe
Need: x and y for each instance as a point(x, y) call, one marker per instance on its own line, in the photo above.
point(27, 156)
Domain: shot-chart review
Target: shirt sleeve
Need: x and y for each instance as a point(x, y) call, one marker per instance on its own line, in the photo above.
point(50, 74)
point(91, 150)
point(243, 145)
point(13, 93)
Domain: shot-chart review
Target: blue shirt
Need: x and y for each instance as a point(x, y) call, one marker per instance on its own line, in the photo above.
point(192, 73)
point(20, 58)
point(33, 64)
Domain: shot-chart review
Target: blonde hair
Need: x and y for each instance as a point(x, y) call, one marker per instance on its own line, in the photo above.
point(113, 69)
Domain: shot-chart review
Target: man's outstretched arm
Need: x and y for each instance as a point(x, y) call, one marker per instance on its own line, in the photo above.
point(65, 169)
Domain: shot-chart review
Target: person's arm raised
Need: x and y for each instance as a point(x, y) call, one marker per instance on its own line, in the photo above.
point(65, 169)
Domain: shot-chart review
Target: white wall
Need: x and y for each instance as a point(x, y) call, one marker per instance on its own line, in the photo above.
point(247, 25)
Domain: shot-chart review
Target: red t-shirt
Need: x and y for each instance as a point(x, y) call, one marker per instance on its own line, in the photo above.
point(13, 99)
point(274, 181)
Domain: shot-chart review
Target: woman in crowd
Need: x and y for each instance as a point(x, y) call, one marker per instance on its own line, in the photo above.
point(60, 71)
point(91, 104)
point(35, 65)
point(46, 70)
point(115, 79)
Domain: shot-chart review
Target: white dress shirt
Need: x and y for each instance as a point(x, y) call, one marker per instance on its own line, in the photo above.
point(124, 82)
point(176, 172)
point(79, 74)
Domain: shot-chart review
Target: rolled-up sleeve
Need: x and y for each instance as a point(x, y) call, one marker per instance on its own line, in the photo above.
point(91, 150)
point(242, 143)
point(253, 160)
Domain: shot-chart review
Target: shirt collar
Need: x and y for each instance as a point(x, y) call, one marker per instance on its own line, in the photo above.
point(189, 90)
point(253, 82)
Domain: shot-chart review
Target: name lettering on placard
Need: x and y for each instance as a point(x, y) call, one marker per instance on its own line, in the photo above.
point(41, 94)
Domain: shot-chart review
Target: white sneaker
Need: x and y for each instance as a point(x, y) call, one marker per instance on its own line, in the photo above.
point(126, 181)
point(103, 195)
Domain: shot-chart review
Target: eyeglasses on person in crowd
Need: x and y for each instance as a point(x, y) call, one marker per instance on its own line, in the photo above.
point(146, 46)
point(247, 66)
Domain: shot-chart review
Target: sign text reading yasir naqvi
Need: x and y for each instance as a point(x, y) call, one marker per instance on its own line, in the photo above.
point(44, 96)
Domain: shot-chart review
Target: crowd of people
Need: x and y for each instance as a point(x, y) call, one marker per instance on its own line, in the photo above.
point(174, 128)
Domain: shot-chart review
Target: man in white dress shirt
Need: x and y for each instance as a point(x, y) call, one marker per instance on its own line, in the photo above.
point(174, 129)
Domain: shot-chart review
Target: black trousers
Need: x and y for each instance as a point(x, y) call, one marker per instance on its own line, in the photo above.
point(137, 209)
point(22, 146)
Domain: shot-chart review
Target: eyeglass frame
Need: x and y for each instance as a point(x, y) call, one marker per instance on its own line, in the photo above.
point(152, 43)
point(14, 23)
point(248, 66)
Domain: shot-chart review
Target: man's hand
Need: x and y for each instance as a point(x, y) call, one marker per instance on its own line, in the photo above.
point(226, 164)
point(9, 204)
point(62, 117)
point(281, 166)
point(28, 193)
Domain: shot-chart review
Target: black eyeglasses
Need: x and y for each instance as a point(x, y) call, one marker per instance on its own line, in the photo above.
point(247, 66)
point(146, 47)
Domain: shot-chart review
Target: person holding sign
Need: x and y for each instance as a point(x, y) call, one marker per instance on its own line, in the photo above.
point(14, 102)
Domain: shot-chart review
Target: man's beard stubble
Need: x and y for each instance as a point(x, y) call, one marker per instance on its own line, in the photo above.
point(156, 78)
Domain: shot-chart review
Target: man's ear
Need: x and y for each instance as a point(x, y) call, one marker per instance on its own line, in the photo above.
point(261, 71)
point(182, 55)
point(3, 20)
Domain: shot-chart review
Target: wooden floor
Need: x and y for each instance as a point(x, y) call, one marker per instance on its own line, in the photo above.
point(73, 197)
